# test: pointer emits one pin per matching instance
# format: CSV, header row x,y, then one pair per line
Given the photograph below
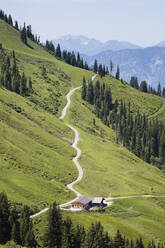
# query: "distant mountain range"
x,y
91,47
145,63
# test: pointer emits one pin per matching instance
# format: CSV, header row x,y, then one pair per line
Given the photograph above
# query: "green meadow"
x,y
36,153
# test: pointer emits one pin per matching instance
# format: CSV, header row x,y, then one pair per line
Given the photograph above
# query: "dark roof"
x,y
84,199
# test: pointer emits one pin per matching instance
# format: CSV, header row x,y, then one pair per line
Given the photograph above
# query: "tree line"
x,y
15,225
143,137
103,70
10,77
63,233
144,87
69,57
25,31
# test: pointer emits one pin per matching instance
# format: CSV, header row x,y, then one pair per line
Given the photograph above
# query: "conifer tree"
x,y
53,234
159,90
118,72
24,34
16,25
134,83
4,219
84,89
163,92
143,87
68,240
95,67
58,51
111,66
30,85
23,85
90,93
24,223
15,227
100,70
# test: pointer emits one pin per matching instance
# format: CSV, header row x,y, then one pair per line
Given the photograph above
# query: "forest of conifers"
x,y
144,138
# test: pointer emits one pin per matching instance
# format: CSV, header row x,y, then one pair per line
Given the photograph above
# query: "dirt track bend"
x,y
108,201
74,145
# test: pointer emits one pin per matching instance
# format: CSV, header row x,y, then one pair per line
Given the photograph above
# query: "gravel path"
x,y
74,145
109,200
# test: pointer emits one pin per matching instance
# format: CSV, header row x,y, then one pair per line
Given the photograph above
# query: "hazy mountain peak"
x,y
161,44
91,46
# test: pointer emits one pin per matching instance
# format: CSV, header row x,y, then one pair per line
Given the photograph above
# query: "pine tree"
x,y
53,234
95,67
24,223
30,240
24,35
143,87
111,66
68,240
84,89
163,92
78,60
159,90
90,93
79,237
15,227
100,70
58,51
86,66
134,83
16,25
118,73
30,85
23,85
4,219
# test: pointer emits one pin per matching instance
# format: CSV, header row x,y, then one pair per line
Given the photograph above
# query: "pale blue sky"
x,y
138,21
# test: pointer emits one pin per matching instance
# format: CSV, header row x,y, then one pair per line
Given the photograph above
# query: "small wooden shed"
x,y
83,202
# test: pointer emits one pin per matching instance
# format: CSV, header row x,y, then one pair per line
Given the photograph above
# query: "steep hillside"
x,y
152,106
35,146
110,168
35,151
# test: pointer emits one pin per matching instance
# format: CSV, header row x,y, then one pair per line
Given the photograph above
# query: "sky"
x,y
137,21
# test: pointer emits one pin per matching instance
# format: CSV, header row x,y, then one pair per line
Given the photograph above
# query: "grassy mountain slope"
x,y
137,217
110,168
35,151
151,105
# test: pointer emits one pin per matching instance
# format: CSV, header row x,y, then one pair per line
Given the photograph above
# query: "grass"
x,y
149,104
36,153
35,147
135,218
109,169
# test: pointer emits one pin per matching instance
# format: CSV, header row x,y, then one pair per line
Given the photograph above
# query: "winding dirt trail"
x,y
109,200
74,145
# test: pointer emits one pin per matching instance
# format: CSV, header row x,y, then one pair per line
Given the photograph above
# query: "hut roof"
x,y
84,199
97,200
